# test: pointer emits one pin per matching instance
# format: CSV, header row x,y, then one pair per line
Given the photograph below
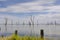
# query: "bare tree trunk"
x,y
5,24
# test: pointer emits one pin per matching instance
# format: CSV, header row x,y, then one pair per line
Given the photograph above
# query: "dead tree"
x,y
5,24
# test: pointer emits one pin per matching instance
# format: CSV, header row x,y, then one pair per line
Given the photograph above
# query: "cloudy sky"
x,y
42,10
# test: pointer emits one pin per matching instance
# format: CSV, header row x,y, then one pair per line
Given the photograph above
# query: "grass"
x,y
23,38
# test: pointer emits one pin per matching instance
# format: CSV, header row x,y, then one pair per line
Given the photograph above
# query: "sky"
x,y
42,10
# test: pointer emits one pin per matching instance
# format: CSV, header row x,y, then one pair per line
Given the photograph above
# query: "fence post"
x,y
42,34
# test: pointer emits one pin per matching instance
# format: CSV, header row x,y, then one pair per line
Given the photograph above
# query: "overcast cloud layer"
x,y
18,8
46,9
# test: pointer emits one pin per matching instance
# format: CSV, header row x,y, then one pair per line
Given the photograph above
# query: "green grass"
x,y
23,38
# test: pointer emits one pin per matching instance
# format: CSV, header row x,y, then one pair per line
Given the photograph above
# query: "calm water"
x,y
32,29
51,31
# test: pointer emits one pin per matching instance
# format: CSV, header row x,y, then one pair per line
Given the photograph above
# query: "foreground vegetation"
x,y
14,37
